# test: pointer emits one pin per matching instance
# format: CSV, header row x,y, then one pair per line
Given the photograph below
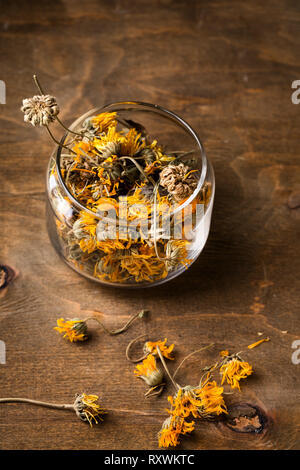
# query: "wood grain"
x,y
227,68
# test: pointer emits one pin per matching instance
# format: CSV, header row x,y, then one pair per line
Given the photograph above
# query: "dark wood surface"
x,y
227,68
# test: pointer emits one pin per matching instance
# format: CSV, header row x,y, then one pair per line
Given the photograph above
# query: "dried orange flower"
x,y
85,406
211,397
74,330
201,402
103,121
149,372
87,409
133,143
171,429
234,370
151,347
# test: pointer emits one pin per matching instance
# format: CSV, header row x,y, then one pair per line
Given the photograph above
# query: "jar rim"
x,y
153,107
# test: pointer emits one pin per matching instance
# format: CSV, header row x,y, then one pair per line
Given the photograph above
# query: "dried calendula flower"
x,y
151,347
85,406
201,402
74,330
149,372
40,110
179,180
204,401
171,429
233,369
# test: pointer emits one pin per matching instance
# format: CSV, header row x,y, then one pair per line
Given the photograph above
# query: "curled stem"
x,y
123,328
176,386
128,348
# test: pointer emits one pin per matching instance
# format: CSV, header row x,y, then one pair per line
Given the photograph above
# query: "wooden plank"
x,y
227,68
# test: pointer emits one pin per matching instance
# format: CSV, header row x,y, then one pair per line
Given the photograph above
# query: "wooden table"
x,y
227,68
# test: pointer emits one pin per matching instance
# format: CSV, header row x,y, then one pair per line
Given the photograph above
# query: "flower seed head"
x,y
40,110
179,180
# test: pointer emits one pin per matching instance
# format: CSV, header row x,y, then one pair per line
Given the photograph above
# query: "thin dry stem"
x,y
123,328
36,81
166,368
129,346
37,402
189,355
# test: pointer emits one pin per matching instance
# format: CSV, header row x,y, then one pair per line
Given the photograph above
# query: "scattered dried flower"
x,y
85,406
74,330
149,372
87,409
233,370
201,402
171,429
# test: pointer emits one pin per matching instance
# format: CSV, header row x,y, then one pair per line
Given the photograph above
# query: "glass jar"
x,y
150,235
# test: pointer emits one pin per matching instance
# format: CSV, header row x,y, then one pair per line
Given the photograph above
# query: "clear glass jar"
x,y
129,241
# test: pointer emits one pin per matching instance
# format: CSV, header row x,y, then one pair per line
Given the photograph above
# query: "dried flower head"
x,y
171,429
233,370
149,372
103,121
201,402
179,180
151,347
87,409
74,330
40,110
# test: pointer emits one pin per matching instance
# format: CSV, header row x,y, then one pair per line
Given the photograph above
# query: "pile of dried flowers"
x,y
106,162
204,401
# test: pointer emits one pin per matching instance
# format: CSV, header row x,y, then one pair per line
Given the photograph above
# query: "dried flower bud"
x,y
87,409
179,180
74,330
149,372
40,110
